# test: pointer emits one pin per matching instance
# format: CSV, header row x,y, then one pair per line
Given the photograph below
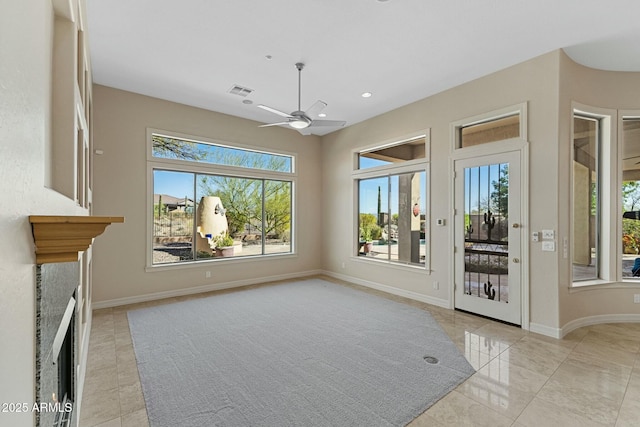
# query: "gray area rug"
x,y
307,353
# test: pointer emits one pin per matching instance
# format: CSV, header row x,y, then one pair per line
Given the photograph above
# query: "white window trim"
x,y
610,198
418,165
155,163
503,145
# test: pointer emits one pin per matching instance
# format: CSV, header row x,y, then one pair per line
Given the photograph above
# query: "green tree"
x,y
172,148
500,193
242,199
277,208
631,195
239,197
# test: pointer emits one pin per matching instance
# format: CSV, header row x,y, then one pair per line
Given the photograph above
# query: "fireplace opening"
x,y
64,346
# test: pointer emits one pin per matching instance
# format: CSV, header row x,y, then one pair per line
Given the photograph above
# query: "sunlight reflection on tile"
x,y
503,387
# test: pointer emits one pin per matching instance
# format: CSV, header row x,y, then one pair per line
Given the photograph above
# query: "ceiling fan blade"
x,y
316,123
315,108
273,124
305,131
274,111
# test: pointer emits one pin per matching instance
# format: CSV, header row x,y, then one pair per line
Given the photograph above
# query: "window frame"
x,y
188,166
387,171
609,200
623,115
518,109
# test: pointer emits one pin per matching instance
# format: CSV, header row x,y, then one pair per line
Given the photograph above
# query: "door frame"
x,y
520,146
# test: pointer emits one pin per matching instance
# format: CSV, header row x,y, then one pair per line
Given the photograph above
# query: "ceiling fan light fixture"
x,y
299,119
299,123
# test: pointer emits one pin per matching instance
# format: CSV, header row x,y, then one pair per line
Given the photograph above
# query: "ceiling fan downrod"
x,y
299,66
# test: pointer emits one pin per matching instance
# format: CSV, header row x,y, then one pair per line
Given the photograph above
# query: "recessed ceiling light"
x,y
367,95
322,115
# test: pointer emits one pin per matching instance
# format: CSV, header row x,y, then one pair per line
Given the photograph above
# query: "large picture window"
x,y
391,184
212,201
630,196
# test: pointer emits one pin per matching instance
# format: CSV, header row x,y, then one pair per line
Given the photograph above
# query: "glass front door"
x,y
488,264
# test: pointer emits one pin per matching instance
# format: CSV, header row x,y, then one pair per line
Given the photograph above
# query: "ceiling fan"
x,y
302,120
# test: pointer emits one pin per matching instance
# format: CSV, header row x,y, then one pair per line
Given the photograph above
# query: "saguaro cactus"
x,y
490,222
491,293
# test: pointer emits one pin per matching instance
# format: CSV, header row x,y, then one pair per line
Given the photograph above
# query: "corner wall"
x,y
604,89
120,188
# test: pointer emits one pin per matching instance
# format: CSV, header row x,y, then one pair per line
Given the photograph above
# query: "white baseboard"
x,y
597,320
545,330
200,289
390,289
582,322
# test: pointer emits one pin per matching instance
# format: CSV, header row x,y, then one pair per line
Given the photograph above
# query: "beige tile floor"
x,y
590,378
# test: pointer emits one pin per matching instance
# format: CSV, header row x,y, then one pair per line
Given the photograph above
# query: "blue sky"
x,y
369,194
176,184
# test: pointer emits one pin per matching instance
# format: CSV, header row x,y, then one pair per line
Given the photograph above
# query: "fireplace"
x,y
64,355
59,242
56,344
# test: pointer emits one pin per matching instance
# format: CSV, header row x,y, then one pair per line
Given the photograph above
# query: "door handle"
x,y
515,225
516,260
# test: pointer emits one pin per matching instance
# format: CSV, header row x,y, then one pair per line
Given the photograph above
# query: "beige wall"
x,y
25,127
120,174
535,82
611,90
547,83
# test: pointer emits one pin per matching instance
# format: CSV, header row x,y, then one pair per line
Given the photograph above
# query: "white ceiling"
x,y
194,51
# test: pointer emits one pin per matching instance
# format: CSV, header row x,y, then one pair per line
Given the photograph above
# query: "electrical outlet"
x,y
436,285
207,274
535,236
636,298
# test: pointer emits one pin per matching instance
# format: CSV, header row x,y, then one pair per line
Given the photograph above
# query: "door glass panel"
x,y
486,247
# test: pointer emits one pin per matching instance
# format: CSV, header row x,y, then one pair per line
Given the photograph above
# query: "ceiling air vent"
x,y
241,91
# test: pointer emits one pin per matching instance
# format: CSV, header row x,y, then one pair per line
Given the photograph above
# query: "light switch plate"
x,y
549,246
548,234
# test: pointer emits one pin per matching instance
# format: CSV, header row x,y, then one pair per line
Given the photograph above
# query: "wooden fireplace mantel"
x,y
60,238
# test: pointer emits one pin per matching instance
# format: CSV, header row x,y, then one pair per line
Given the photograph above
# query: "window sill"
x,y
393,265
207,263
591,285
